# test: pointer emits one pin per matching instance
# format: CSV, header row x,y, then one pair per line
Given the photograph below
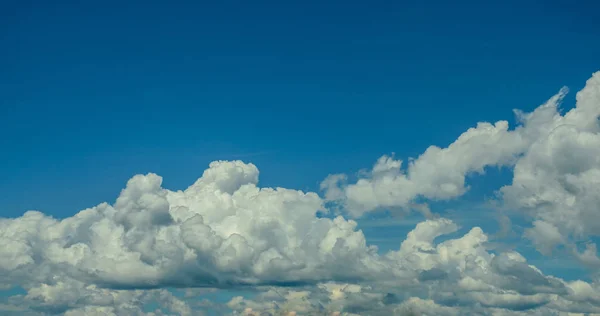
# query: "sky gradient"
x,y
333,99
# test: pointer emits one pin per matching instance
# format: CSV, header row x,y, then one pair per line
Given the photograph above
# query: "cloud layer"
x,y
224,232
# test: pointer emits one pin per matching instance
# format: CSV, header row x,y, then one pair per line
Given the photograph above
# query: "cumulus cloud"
x,y
73,298
221,231
557,181
556,160
225,231
93,263
463,278
439,173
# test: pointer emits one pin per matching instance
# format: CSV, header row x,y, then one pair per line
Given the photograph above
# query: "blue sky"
x,y
94,93
104,92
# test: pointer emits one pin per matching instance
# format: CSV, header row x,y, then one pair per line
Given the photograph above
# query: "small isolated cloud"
x,y
226,232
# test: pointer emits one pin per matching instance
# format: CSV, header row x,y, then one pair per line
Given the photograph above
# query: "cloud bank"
x,y
226,232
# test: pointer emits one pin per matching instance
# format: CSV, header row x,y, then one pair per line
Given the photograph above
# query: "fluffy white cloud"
x,y
222,230
439,173
73,298
225,231
421,277
556,161
557,181
455,277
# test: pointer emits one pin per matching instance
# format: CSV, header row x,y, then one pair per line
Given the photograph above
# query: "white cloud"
x,y
462,277
222,230
556,161
439,173
462,270
557,181
544,236
225,231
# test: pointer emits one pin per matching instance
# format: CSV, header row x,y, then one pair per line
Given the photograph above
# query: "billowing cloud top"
x,y
224,231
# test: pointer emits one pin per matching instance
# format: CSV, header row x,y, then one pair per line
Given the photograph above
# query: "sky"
x,y
314,157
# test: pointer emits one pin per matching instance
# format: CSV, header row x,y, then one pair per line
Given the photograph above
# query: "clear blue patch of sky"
x,y
17,290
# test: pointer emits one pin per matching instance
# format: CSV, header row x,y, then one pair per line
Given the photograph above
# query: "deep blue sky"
x,y
93,93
